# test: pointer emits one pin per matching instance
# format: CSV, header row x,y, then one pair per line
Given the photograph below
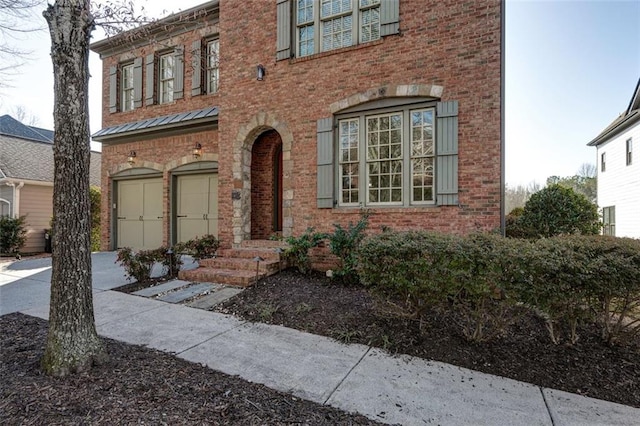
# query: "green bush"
x,y
13,234
204,247
557,210
94,196
344,243
138,265
298,251
514,227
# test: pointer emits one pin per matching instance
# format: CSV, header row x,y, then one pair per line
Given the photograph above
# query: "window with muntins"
x,y
629,151
609,220
126,84
213,66
394,154
166,78
323,25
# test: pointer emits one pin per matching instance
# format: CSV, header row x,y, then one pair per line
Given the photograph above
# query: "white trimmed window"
x,y
629,151
609,220
166,77
126,85
393,151
213,66
323,25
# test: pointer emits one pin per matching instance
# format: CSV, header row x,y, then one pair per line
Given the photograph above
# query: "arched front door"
x,y
266,186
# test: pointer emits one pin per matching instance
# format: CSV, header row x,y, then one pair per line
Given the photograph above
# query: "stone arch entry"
x,y
266,185
262,125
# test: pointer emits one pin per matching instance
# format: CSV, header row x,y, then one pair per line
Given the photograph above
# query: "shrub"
x,y
298,250
344,243
138,265
557,210
204,247
416,267
12,234
514,227
94,196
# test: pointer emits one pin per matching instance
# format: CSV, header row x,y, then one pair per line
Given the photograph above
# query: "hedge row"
x,y
567,280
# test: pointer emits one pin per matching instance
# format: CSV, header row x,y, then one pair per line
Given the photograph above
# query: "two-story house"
x,y
251,118
619,172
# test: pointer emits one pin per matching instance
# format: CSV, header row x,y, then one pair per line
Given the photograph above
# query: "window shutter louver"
x,y
389,17
196,65
178,78
447,153
113,89
284,30
325,163
150,78
137,83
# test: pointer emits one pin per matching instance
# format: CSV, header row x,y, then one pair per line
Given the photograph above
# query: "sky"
x,y
570,70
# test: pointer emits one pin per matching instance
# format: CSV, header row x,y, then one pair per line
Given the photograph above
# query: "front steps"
x,y
237,267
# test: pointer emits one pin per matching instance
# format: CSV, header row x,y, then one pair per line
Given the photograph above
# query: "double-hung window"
x,y
213,66
603,162
323,25
166,77
629,151
609,220
126,87
387,158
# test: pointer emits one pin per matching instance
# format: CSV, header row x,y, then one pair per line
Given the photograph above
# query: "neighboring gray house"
x,y
26,177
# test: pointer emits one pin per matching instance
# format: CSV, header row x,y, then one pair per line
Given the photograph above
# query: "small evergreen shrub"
x,y
298,251
344,243
138,265
204,247
13,234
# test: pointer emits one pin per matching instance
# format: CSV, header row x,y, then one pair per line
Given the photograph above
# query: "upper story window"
x,y
629,151
213,66
324,25
126,83
603,162
165,78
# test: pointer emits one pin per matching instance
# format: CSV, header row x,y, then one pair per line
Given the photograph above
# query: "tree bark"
x,y
73,344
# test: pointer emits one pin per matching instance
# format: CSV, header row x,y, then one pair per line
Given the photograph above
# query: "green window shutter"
x,y
389,17
178,80
150,78
196,65
113,89
447,153
325,163
137,83
284,30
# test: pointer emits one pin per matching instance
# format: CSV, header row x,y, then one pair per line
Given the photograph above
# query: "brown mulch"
x,y
525,352
137,386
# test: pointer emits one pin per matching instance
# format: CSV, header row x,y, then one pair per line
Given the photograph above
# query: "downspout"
x,y
502,111
16,198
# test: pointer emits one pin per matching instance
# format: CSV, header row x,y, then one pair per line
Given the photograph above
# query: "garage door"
x,y
197,206
139,214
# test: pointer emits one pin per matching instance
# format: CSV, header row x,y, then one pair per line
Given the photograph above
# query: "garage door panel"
x,y
197,206
129,233
152,196
129,200
139,213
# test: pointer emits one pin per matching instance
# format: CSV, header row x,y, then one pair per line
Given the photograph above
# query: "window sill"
x,y
386,210
336,51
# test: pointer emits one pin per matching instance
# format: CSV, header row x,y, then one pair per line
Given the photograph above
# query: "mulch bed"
x,y
137,386
350,314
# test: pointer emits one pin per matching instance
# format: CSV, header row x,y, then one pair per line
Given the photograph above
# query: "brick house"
x,y
249,118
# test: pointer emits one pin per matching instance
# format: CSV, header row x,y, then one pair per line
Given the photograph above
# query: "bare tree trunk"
x,y
72,344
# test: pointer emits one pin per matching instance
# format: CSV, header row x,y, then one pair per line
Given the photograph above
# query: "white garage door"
x,y
139,214
197,206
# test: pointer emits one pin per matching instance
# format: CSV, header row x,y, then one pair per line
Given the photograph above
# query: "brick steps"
x,y
236,266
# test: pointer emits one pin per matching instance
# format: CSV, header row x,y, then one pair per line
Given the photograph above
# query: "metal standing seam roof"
x,y
156,123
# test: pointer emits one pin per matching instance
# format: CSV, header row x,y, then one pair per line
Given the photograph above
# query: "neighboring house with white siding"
x,y
26,177
619,172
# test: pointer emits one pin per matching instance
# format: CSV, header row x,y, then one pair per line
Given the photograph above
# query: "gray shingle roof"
x,y
623,121
27,154
157,123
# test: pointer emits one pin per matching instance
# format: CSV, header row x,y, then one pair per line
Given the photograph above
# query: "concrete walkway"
x,y
356,378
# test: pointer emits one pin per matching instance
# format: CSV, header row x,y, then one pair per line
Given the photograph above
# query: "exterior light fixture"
x,y
197,150
131,159
260,72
